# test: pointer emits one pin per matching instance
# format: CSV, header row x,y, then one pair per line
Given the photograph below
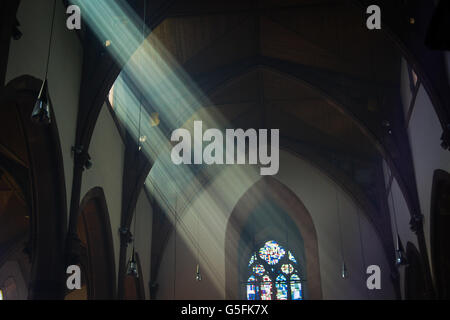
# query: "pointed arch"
x,y
43,180
440,237
270,188
97,251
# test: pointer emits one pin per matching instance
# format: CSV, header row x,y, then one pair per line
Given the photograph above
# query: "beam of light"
x,y
152,76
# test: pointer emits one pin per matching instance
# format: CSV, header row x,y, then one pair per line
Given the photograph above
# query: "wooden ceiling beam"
x,y
206,7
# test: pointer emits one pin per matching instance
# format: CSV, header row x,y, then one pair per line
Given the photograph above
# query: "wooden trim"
x,y
100,246
439,177
47,189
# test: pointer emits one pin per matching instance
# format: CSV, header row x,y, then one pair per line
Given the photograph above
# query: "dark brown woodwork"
x,y
95,228
47,190
439,231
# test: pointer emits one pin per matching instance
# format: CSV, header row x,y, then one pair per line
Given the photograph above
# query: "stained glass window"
x,y
274,273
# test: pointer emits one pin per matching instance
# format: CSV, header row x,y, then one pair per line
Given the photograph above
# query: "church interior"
x,y
93,207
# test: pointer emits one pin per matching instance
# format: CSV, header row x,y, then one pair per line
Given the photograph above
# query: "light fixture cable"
x,y
400,258
198,275
361,245
344,267
50,40
144,21
393,209
41,111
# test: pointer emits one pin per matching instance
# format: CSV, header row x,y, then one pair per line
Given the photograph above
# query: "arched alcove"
x,y
97,252
269,189
36,160
439,231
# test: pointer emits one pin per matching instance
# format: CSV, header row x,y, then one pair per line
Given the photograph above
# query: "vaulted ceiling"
x,y
310,68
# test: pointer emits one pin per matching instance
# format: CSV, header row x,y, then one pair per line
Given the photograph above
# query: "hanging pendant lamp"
x,y
198,275
41,110
344,273
132,267
400,256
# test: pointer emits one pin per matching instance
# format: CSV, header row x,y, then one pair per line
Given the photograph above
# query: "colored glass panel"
x,y
252,259
296,288
252,289
291,257
282,288
272,252
287,268
259,270
266,288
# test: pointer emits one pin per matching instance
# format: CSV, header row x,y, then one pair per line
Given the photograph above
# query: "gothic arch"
x,y
440,239
97,251
44,177
270,188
